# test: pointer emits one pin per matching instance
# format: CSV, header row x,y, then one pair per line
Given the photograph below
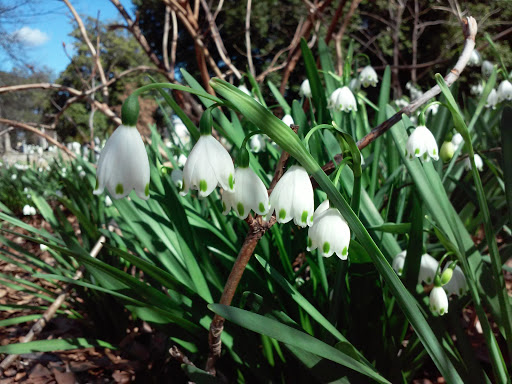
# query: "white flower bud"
x,y
487,68
475,59
288,120
305,89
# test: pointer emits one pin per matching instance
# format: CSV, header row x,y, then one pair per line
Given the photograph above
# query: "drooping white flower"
x,y
487,68
182,160
438,301
288,120
43,247
329,233
292,197
14,176
244,89
492,99
368,77
177,178
398,262
29,210
477,90
478,162
434,108
457,284
457,140
108,201
123,165
413,91
428,269
59,193
342,99
505,91
180,130
208,165
475,59
422,143
250,193
82,174
257,143
305,89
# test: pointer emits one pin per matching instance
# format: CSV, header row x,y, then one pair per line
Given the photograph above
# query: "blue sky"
x,y
44,35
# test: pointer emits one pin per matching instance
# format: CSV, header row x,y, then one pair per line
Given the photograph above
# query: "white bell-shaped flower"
x,y
428,269
475,59
438,301
207,166
288,120
422,143
257,143
123,165
342,99
478,162
492,99
505,91
487,68
292,198
329,233
250,193
244,89
368,77
305,89
476,90
29,210
398,262
457,140
457,284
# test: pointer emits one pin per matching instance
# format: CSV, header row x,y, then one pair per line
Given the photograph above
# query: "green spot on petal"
x,y
460,291
400,270
304,217
97,184
146,190
425,156
326,247
119,189
434,152
203,185
240,209
261,207
224,206
345,251
441,311
310,243
429,280
231,181
282,214
417,151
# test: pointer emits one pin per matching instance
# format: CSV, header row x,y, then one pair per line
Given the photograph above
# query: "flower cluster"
x,y
451,282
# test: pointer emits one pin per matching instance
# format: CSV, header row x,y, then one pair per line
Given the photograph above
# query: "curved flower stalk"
x,y
123,165
250,193
292,198
305,89
342,99
368,77
207,166
438,301
505,91
329,233
422,143
478,162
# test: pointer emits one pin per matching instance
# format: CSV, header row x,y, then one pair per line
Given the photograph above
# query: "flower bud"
x,y
447,151
446,276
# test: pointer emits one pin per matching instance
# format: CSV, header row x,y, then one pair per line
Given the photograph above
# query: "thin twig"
x,y
165,37
39,325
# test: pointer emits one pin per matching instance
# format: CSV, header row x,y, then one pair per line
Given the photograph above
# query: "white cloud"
x,y
30,37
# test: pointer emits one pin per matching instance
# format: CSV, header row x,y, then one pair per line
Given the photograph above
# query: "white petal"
x,y
428,268
124,165
399,262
